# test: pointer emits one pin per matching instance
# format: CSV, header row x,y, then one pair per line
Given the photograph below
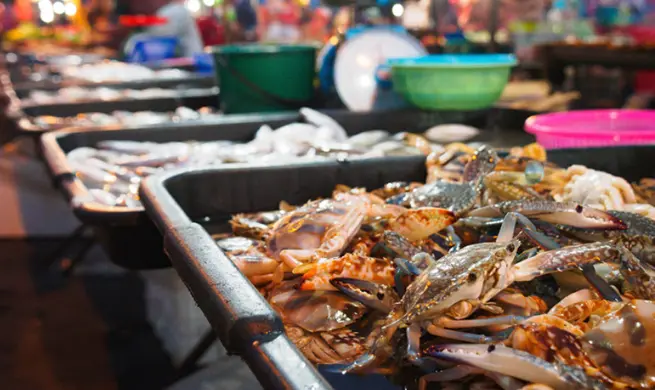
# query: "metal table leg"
x,y
190,363
78,237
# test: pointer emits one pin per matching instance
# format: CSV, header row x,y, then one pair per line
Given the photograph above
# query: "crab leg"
x,y
507,226
570,214
482,163
459,336
477,323
395,242
507,231
414,349
527,254
640,275
506,234
454,238
515,363
462,371
450,374
403,268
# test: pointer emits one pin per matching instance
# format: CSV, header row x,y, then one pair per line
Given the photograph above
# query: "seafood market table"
x,y
557,56
250,244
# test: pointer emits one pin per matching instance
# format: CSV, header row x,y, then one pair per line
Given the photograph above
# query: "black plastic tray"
x,y
22,89
128,236
23,125
187,206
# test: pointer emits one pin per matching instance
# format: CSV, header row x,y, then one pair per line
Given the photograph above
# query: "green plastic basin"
x,y
452,82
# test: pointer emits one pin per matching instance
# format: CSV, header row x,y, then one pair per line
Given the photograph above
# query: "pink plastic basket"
x,y
579,129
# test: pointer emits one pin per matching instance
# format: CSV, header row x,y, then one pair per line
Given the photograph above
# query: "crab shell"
x,y
623,344
320,274
477,271
335,347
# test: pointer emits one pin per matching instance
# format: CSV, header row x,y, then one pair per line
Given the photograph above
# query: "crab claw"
x,y
578,257
379,297
482,163
558,213
418,224
569,258
514,363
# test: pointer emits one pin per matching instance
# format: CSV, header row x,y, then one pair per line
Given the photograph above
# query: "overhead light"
x,y
47,16
397,10
45,5
71,9
208,3
193,5
58,7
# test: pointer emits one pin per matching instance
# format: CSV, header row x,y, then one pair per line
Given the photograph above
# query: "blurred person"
x,y
9,20
282,19
100,14
180,24
22,10
211,30
416,15
100,19
317,28
247,19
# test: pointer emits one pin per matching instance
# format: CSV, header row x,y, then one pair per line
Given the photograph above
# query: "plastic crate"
x,y
148,49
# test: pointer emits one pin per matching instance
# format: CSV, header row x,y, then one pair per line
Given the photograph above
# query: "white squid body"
x,y
602,191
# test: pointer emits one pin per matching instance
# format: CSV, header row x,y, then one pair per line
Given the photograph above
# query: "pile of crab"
x,y
501,271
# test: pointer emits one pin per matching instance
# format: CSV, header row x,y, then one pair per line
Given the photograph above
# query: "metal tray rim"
x,y
174,225
77,193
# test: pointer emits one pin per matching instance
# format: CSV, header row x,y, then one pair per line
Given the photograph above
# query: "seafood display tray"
x,y
24,126
23,89
188,206
129,237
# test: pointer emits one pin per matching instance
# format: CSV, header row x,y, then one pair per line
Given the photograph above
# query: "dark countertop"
x,y
504,138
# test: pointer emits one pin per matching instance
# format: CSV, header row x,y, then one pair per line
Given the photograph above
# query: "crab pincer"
x,y
517,364
558,213
639,275
377,296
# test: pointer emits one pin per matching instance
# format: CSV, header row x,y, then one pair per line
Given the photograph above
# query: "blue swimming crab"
x,y
446,292
613,350
324,325
456,197
449,290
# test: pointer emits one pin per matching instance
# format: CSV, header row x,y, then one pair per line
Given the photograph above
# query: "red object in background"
x,y
141,20
211,32
645,79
